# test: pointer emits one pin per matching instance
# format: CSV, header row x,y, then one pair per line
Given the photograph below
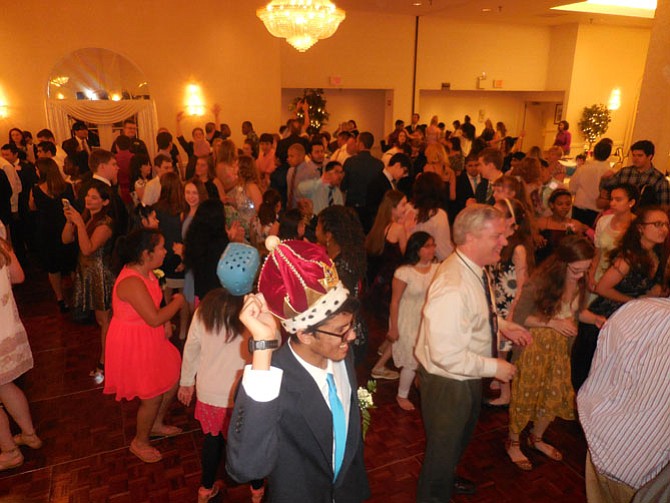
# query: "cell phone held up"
x,y
66,204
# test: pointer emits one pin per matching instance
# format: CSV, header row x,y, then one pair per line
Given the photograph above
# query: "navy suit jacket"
x,y
289,440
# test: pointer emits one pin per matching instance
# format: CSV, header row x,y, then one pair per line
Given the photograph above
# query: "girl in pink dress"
x,y
141,362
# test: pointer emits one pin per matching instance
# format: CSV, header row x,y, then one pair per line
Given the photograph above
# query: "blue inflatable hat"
x,y
237,268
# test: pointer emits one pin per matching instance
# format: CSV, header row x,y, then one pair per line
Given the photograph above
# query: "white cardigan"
x,y
217,364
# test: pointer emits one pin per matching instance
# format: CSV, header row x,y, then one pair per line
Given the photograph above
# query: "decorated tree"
x,y
316,103
594,122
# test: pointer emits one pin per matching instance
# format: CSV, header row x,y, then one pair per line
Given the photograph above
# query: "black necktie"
x,y
331,198
493,316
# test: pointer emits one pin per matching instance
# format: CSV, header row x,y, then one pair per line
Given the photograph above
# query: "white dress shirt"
x,y
455,335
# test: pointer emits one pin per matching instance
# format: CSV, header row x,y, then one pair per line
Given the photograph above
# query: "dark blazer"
x,y
480,194
289,440
376,190
359,171
463,192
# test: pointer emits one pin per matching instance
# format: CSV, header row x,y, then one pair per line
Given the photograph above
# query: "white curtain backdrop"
x,y
103,112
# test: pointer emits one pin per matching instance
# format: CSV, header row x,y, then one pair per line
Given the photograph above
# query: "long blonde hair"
x,y
374,242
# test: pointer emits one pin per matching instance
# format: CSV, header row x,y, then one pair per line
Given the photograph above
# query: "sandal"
x,y
385,373
98,374
147,454
548,450
204,495
14,461
165,431
404,403
523,464
29,439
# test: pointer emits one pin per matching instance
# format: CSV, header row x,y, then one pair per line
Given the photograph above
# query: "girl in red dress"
x,y
141,362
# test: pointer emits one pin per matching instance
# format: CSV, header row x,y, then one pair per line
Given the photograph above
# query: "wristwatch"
x,y
262,345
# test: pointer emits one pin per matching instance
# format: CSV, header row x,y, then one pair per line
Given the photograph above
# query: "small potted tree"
x,y
594,123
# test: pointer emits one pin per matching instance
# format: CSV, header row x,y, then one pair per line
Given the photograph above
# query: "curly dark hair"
x,y
549,278
630,247
347,231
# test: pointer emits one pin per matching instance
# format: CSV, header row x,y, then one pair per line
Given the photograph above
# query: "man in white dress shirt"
x,y
455,349
152,190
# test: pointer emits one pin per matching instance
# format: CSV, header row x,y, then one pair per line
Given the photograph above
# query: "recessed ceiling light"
x,y
417,4
486,10
632,8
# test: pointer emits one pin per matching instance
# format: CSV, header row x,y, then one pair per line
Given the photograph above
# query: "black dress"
x,y
378,296
54,255
635,284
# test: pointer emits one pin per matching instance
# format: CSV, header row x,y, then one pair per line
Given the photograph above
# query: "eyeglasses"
x,y
341,336
657,224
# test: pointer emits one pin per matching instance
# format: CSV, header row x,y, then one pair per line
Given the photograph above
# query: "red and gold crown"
x,y
300,284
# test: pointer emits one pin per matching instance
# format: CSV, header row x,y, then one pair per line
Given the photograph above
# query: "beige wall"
x,y
653,113
605,58
458,52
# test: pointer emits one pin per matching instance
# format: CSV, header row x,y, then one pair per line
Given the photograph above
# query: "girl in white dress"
x,y
410,284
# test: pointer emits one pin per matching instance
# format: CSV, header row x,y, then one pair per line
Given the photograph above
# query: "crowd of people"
x,y
478,259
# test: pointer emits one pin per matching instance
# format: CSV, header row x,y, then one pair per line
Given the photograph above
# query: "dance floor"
x,y
86,434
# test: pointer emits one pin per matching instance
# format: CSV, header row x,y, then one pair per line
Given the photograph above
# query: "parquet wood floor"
x,y
85,457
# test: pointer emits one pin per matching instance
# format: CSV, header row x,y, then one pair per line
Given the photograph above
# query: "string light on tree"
x,y
594,122
316,103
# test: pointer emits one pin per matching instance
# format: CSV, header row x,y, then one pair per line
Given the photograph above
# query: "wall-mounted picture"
x,y
558,113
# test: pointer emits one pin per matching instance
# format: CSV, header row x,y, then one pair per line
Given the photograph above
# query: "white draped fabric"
x,y
103,112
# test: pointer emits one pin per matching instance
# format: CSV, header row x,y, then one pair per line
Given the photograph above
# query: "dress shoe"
x,y
464,486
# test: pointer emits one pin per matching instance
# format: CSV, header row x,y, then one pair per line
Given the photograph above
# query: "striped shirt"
x,y
624,406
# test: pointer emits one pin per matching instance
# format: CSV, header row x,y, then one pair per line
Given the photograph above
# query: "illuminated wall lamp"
x,y
615,99
4,107
193,99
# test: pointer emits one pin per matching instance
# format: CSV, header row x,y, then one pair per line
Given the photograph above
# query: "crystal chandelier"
x,y
301,22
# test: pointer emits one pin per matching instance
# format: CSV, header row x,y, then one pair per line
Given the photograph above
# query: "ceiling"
x,y
507,11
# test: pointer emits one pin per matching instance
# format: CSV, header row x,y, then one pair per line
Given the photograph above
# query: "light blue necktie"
x,y
339,424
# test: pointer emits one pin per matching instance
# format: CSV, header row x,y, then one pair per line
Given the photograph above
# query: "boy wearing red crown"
x,y
296,419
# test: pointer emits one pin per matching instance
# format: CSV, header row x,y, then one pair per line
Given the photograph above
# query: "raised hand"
x,y
258,319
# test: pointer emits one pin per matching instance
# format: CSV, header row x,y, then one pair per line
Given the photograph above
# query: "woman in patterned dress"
x,y
550,304
94,279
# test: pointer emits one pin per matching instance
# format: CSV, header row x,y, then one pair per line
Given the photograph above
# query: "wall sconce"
x,y
115,97
193,99
480,80
4,108
615,99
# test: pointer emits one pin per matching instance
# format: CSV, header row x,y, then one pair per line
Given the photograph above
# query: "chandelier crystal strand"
x,y
301,22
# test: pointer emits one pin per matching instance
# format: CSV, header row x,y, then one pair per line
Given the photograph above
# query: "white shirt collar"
x,y
102,179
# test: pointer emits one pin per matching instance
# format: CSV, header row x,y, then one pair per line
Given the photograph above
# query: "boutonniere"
x,y
160,276
365,403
